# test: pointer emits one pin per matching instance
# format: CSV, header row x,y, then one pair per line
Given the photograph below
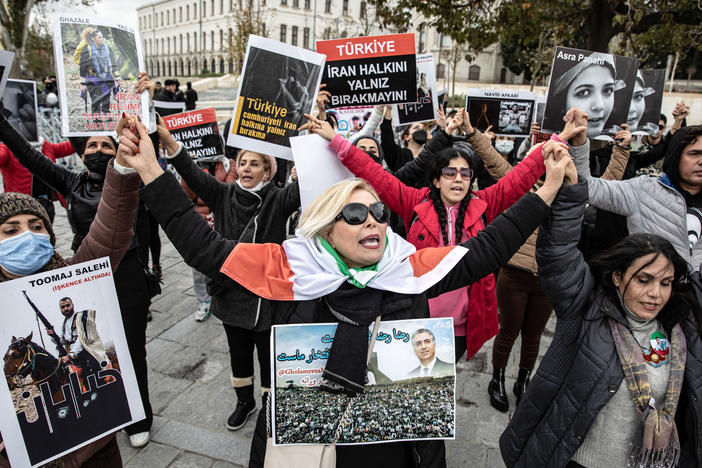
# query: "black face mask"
x,y
374,157
97,162
420,136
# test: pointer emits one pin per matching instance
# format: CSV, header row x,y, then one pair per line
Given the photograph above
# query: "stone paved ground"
x,y
192,397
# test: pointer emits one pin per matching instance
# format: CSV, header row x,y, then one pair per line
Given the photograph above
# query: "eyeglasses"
x,y
357,213
661,127
450,172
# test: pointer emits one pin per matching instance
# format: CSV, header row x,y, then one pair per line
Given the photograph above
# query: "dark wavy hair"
x,y
623,254
437,164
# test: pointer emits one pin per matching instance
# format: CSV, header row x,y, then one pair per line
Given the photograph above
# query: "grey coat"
x,y
650,205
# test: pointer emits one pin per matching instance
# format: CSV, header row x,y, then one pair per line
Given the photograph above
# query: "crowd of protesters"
x,y
605,237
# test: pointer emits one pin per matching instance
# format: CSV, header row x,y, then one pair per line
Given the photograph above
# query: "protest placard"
x,y
540,107
424,108
165,108
81,383
198,131
508,111
6,59
600,84
370,70
278,86
19,106
350,120
406,398
97,63
317,166
645,107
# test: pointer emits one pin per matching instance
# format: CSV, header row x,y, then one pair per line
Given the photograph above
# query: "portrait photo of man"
x,y
424,345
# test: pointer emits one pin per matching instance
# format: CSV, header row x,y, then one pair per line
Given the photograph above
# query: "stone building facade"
x,y
186,37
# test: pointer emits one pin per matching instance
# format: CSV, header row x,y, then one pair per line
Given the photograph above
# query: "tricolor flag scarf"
x,y
303,269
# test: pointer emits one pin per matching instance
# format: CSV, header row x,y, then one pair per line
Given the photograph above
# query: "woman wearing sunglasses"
x,y
345,263
444,213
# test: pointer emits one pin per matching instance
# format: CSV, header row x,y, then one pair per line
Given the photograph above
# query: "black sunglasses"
x,y
450,172
357,213
661,127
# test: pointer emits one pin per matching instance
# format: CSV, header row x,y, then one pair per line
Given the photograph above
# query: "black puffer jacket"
x,y
581,369
262,214
204,249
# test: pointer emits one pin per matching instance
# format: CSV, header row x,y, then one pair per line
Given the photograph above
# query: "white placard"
x,y
36,429
19,105
424,108
509,112
318,167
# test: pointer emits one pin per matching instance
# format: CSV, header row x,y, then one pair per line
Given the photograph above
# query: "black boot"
x,y
497,392
521,384
245,407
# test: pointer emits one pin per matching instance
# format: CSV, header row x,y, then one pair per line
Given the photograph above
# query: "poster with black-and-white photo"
x,y
441,97
645,107
424,108
540,107
410,393
97,63
69,378
19,106
6,59
598,83
277,87
509,112
165,108
199,132
363,71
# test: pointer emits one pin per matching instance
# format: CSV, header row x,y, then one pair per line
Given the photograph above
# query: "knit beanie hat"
x,y
12,204
271,161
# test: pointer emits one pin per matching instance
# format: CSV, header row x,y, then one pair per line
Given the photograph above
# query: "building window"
x,y
306,38
187,13
344,34
181,44
327,6
307,4
203,10
474,73
284,2
221,39
203,42
296,4
195,42
212,10
195,12
345,7
174,22
422,38
212,40
293,36
187,41
263,30
362,14
180,14
161,18
326,35
441,70
168,17
283,33
221,6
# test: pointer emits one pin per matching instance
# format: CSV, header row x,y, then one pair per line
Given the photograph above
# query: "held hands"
x,y
136,149
575,130
623,137
680,111
320,127
559,166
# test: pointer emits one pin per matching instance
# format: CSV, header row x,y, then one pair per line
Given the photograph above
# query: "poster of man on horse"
x,y
68,373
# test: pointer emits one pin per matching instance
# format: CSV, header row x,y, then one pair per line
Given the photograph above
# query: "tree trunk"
x,y
672,73
598,26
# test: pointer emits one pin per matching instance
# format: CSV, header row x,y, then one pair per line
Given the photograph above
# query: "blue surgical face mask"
x,y
26,253
504,146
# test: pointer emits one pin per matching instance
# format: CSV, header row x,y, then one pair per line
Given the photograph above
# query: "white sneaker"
x,y
203,312
139,439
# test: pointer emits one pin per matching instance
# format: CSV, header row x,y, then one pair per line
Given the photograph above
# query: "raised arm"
x,y
414,172
54,175
371,125
620,156
112,228
563,273
392,152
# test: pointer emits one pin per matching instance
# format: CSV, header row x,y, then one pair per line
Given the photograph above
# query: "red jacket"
x,y
425,231
16,177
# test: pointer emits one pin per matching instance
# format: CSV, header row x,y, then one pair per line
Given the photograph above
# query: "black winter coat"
x,y
581,369
242,216
204,249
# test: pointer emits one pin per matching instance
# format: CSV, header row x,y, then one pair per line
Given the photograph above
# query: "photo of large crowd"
x,y
398,411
